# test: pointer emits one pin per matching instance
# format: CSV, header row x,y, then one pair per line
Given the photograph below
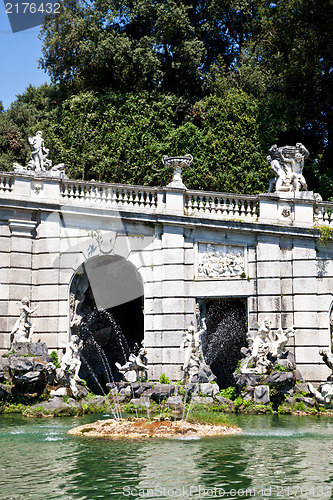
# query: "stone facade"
x,y
266,254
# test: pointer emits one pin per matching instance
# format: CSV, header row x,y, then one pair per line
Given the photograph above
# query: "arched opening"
x,y
106,312
226,322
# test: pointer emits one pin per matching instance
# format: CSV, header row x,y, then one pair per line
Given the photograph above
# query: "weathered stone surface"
x,y
4,364
126,391
140,387
203,400
209,389
29,377
246,379
286,364
225,401
55,406
287,359
5,390
247,394
191,388
204,375
31,349
290,401
82,391
21,364
175,401
305,400
143,401
280,379
160,391
261,394
39,365
298,375
301,387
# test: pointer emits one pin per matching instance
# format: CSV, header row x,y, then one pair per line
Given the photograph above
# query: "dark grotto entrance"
x,y
106,301
226,322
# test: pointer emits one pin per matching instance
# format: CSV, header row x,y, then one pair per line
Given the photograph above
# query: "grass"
x,y
208,417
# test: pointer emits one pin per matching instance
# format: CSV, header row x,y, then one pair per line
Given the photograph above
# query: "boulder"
x,y
126,391
298,375
280,380
143,401
29,377
5,390
175,402
286,364
225,401
301,387
192,388
4,364
204,375
306,401
31,349
261,394
209,389
82,391
203,400
54,406
246,379
140,387
287,359
247,394
160,391
20,364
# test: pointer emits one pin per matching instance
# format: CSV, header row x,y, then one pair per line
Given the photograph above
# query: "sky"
x,y
18,60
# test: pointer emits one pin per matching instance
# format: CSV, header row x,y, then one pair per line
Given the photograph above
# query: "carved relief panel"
x,y
220,261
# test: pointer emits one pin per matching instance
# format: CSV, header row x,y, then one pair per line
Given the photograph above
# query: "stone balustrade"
x,y
323,213
168,200
222,205
6,182
112,195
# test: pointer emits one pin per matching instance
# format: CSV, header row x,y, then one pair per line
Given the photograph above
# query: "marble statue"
x,y
39,160
324,395
23,328
214,264
136,365
70,365
191,346
267,345
36,158
287,163
194,367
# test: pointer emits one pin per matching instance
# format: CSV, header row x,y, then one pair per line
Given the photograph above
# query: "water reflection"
x,y
39,461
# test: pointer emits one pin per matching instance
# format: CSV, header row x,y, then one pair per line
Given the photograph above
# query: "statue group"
x,y
39,160
266,346
287,163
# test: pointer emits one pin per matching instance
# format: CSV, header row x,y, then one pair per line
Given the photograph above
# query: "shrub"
x,y
164,379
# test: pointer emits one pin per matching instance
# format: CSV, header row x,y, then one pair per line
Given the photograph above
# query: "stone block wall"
x,y
287,275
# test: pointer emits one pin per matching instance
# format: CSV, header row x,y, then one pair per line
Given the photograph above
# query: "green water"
x,y
280,458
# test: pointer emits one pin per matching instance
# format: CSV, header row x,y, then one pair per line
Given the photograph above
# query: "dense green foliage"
x,y
222,80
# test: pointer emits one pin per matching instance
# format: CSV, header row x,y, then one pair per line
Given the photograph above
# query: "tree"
x,y
140,44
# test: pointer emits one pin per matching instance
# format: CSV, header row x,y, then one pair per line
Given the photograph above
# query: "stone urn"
x,y
177,163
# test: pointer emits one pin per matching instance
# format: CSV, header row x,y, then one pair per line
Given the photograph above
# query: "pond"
x,y
274,457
